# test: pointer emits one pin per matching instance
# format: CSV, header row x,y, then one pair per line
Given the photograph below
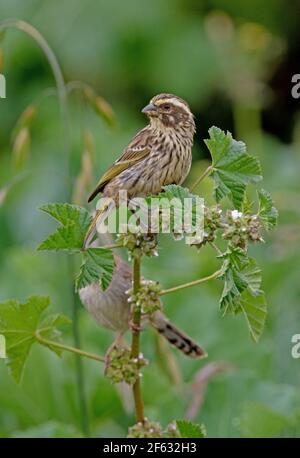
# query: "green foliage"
x,y
50,429
241,275
242,290
173,199
259,420
97,263
197,36
97,266
255,311
232,168
74,222
21,323
190,430
268,214
173,190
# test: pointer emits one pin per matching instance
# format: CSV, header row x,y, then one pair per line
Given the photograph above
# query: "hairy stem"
x,y
135,343
191,283
112,246
62,97
204,175
61,346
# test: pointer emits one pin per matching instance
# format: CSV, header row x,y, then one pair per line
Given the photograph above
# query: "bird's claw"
x,y
134,327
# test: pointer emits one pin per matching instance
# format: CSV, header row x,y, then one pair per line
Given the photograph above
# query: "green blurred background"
x,y
233,62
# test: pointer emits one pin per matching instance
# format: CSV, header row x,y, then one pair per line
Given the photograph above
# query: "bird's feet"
x,y
134,327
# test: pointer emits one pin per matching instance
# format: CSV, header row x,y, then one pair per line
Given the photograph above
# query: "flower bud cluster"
x,y
139,244
212,222
146,429
241,229
147,298
123,368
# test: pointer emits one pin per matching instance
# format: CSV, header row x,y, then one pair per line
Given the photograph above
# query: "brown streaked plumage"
x,y
110,309
159,154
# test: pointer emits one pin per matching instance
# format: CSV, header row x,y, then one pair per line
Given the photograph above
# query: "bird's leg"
x,y
112,346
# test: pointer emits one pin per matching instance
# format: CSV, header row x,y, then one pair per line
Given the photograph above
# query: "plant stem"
x,y
111,247
64,347
191,283
62,97
216,248
204,174
135,343
40,40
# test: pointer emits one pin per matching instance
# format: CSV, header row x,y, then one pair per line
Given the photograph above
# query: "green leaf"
x,y
190,429
20,323
268,214
252,275
174,197
97,262
98,266
255,311
48,329
242,290
240,273
173,190
232,168
74,221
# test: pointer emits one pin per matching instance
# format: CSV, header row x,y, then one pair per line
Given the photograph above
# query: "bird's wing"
x,y
136,151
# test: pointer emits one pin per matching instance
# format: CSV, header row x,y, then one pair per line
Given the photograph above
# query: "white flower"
x,y
235,214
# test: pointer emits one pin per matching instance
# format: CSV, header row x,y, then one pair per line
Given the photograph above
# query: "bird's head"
x,y
169,111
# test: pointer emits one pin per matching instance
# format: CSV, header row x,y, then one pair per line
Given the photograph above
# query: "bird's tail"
x,y
98,217
177,337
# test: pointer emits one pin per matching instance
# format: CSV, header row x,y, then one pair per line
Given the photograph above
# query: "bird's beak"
x,y
150,110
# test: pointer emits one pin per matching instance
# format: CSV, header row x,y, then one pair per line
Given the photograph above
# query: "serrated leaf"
x,y
268,214
65,213
234,285
174,197
188,429
255,311
98,266
173,190
232,167
20,323
252,275
75,222
242,290
48,329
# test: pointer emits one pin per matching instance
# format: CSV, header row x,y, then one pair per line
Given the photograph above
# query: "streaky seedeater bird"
x,y
159,154
111,309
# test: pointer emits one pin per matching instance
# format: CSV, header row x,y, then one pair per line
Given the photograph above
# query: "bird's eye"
x,y
167,107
